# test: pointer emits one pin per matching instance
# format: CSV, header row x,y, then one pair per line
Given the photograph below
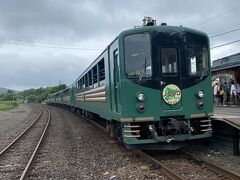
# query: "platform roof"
x,y
226,62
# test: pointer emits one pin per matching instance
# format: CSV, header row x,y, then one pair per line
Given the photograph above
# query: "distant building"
x,y
226,69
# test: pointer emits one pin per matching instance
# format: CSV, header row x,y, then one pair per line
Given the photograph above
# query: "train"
x,y
151,86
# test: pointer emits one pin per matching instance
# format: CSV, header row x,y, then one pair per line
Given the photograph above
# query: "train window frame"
x,y
90,79
102,72
95,76
141,75
79,84
86,80
83,82
171,73
202,68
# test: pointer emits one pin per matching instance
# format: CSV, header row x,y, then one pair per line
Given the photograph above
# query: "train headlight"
x,y
200,94
140,97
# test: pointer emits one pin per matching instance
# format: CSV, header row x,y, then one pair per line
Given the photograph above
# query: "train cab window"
x,y
197,61
138,56
101,72
169,61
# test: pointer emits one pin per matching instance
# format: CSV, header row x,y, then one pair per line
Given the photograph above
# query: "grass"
x,y
6,105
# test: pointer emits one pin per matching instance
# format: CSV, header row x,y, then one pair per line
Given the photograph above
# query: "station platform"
x,y
226,122
229,113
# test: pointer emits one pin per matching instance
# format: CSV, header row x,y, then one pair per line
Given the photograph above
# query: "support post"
x,y
235,142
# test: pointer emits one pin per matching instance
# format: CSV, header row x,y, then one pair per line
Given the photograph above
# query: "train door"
x,y
170,78
116,78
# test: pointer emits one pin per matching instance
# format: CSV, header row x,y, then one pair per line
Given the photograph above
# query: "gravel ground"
x,y
15,159
217,155
185,167
76,149
13,122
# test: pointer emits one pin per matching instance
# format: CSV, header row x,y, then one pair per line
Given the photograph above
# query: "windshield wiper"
x,y
144,70
203,73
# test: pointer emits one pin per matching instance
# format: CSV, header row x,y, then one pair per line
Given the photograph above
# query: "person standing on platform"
x,y
221,93
238,91
215,93
224,95
233,92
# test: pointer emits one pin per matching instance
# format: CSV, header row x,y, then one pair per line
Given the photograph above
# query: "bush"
x,y
6,105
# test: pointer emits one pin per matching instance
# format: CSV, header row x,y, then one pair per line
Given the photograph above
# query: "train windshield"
x,y
197,59
138,56
197,62
169,61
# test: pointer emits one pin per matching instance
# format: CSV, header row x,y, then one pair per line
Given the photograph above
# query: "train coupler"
x,y
168,138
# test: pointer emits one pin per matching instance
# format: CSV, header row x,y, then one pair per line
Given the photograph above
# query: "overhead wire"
x,y
227,32
225,44
217,16
19,43
50,46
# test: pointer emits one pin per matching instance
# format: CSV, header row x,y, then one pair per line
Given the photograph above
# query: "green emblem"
x,y
171,94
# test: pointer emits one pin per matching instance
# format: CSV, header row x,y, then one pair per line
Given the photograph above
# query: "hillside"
x,y
3,90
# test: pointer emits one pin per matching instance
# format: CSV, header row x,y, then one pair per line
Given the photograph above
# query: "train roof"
x,y
162,28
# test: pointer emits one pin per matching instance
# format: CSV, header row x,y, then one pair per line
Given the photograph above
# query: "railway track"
x,y
16,158
183,165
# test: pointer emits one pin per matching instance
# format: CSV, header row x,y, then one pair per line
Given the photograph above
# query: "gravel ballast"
x,y
73,148
13,122
76,149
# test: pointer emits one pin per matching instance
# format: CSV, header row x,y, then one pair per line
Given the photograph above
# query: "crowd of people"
x,y
226,94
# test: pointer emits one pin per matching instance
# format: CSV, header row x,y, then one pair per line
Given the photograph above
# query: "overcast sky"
x,y
89,26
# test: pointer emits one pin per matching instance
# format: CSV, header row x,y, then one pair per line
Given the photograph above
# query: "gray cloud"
x,y
94,24
30,70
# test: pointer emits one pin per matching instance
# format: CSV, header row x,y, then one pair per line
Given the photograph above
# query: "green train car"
x,y
151,85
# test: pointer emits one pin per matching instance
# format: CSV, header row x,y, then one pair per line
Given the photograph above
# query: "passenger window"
x,y
101,72
90,78
83,82
169,60
79,84
86,80
95,76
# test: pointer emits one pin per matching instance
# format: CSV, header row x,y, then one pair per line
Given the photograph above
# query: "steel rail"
x,y
167,171
28,166
21,135
215,168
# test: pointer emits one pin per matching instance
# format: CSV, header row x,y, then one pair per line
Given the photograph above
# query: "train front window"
x,y
169,61
138,56
197,60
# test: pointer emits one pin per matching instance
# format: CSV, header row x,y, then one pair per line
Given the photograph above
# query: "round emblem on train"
x,y
171,94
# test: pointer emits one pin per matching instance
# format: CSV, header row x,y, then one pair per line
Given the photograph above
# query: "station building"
x,y
225,70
